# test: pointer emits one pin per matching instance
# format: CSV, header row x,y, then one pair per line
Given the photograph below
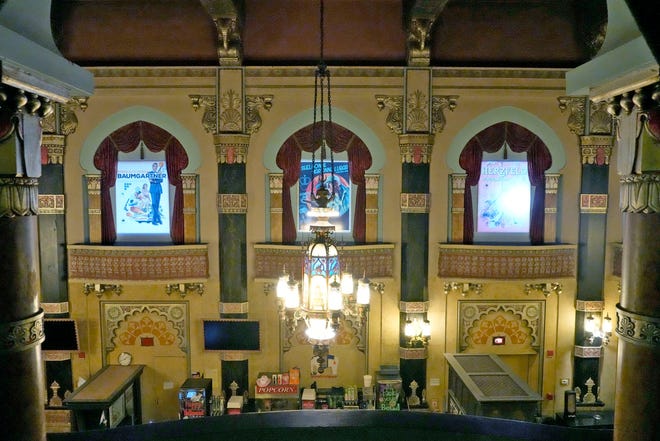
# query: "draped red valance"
x,y
126,139
519,139
359,160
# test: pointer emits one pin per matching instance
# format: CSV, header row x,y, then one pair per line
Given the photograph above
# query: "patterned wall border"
x,y
507,262
413,353
114,313
376,260
531,313
588,351
233,356
232,203
593,203
589,305
415,202
414,307
636,328
23,334
51,204
55,308
116,264
234,308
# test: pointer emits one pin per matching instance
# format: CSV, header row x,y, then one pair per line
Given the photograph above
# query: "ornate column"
x,y
21,318
593,126
190,219
637,403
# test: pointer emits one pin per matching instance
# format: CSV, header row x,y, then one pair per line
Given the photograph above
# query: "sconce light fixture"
x,y
545,288
184,288
100,288
418,332
596,334
463,287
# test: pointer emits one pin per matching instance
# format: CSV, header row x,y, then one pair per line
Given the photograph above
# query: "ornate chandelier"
x,y
327,293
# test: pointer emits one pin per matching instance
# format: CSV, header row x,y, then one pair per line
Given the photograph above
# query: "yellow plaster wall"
x,y
120,89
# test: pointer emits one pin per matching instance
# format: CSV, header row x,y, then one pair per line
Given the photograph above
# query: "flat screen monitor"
x,y
61,335
232,335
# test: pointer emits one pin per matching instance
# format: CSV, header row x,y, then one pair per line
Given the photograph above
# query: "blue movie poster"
x,y
342,190
142,198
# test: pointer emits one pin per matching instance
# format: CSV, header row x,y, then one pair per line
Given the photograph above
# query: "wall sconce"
x,y
464,288
184,288
545,288
100,288
596,334
418,332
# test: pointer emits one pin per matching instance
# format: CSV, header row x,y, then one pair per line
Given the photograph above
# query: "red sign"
x,y
287,389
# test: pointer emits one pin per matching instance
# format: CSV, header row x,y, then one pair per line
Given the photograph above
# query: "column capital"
x,y
416,148
23,334
596,149
19,196
231,148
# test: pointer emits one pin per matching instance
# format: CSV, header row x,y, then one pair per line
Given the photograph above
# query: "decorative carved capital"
x,y
19,197
600,121
209,119
93,184
189,182
413,353
636,328
372,183
232,203
23,334
414,307
54,146
458,183
231,148
640,193
276,182
415,202
596,149
416,148
577,115
252,106
64,120
438,104
394,105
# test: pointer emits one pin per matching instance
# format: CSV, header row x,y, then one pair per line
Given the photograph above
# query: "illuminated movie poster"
x,y
142,198
504,197
341,202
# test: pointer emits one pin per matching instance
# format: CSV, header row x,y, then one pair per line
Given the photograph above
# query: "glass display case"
x,y
195,398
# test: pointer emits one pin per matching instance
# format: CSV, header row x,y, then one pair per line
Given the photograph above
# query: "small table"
x,y
109,399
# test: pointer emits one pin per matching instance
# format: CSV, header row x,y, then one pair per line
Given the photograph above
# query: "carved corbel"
x,y
226,17
394,105
252,106
577,116
419,36
209,120
438,104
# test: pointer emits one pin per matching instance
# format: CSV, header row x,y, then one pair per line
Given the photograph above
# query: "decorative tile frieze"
x,y
118,264
231,148
232,203
596,149
413,353
415,202
55,308
94,211
233,356
552,183
234,308
507,262
19,197
54,148
589,305
55,355
414,307
93,184
593,203
637,329
374,260
51,204
640,193
416,148
588,351
22,335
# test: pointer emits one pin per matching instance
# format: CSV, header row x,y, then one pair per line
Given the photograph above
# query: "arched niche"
x,y
507,113
139,113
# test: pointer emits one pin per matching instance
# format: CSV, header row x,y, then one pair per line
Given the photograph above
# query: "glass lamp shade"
x,y
426,328
607,324
347,283
590,324
292,296
409,329
363,296
335,298
282,286
321,268
319,329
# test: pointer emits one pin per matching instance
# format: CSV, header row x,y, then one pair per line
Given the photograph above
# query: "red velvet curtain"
x,y
519,139
359,160
126,139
